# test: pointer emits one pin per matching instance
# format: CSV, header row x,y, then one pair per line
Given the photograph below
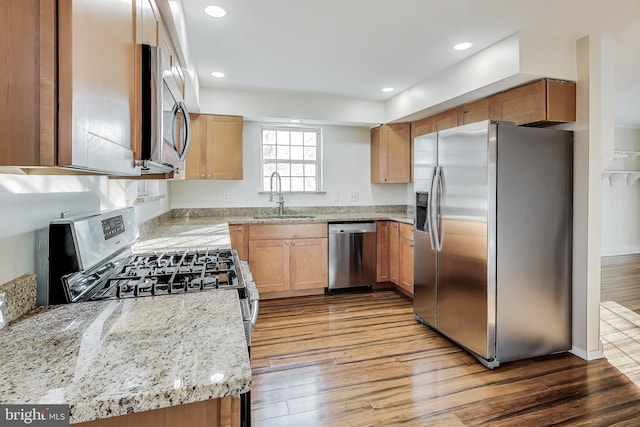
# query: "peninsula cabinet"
x,y
288,257
395,254
67,90
239,235
216,147
221,412
391,153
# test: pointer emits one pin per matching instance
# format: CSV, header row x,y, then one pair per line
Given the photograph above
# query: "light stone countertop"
x,y
198,232
115,357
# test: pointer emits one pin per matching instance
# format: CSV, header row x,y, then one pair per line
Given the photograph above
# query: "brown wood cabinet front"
x,y
543,101
216,147
405,258
289,257
222,412
394,254
382,262
391,153
239,234
62,60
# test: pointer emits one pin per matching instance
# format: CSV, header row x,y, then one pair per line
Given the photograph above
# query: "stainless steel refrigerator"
x,y
493,238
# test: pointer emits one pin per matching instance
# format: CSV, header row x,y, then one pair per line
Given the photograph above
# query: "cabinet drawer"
x,y
287,231
406,231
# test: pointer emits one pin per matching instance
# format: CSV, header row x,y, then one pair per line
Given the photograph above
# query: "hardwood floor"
x,y
362,360
621,280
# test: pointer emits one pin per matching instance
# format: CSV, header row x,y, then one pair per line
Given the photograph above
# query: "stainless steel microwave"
x,y
165,125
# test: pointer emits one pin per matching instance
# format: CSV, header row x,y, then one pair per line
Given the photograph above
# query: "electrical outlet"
x,y
226,197
353,196
336,196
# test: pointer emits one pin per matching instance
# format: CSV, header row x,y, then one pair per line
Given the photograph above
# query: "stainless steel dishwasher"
x,y
352,254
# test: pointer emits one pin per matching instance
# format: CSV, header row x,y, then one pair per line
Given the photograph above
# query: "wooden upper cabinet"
x,y
423,127
216,147
540,102
476,111
446,119
68,93
391,153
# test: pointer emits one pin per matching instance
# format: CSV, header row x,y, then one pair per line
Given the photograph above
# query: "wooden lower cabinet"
x,y
405,267
290,257
382,261
394,254
239,234
222,412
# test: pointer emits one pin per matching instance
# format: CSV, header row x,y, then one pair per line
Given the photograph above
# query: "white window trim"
x,y
319,156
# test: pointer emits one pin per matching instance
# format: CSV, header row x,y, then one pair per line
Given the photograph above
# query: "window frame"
x,y
318,162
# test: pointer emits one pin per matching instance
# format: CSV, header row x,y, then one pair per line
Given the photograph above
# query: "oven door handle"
x,y
255,307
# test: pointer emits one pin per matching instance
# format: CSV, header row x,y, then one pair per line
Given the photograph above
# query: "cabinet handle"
x,y
202,176
239,228
286,242
410,245
293,243
209,176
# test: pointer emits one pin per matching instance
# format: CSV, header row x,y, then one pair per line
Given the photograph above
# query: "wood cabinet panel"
x,y
382,261
561,101
288,231
423,127
210,413
476,111
239,234
269,264
394,255
391,153
406,231
405,267
308,263
446,119
216,147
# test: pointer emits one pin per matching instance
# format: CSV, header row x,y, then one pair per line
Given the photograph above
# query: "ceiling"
x,y
354,48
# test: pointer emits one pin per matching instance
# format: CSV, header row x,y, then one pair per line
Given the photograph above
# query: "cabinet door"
x,y
378,166
446,120
224,147
398,153
394,236
476,111
269,264
524,104
308,263
405,273
382,264
239,234
196,161
96,85
423,127
27,83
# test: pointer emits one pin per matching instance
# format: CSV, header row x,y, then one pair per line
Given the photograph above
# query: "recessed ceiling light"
x,y
294,121
217,74
462,46
215,11
388,89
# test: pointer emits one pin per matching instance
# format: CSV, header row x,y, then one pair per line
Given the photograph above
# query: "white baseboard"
x,y
620,250
588,355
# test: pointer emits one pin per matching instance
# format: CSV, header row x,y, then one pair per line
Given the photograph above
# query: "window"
x,y
295,154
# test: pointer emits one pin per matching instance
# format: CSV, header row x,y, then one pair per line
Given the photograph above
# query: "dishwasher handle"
x,y
352,227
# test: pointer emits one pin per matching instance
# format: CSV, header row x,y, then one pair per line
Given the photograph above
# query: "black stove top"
x,y
159,274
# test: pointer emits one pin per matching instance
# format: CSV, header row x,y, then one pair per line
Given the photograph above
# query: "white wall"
x,y
346,168
621,201
28,203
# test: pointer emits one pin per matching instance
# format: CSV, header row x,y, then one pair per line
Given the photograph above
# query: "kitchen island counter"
x,y
117,357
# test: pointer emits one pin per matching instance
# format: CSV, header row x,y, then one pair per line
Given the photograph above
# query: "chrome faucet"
x,y
280,201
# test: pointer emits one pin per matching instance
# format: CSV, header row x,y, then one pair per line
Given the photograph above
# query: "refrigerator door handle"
x,y
437,223
429,220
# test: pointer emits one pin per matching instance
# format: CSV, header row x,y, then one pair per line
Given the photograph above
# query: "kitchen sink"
x,y
283,217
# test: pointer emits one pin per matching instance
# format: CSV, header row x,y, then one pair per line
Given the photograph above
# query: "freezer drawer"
x,y
352,254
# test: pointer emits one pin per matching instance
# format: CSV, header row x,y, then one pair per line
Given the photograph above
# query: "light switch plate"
x,y
226,197
353,196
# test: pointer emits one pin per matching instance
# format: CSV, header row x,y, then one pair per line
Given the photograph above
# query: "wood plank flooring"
x,y
621,280
362,360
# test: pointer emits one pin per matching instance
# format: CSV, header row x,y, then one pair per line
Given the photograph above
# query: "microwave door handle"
x,y
186,142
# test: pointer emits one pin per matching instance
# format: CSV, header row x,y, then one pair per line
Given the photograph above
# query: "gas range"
x,y
90,258
156,274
